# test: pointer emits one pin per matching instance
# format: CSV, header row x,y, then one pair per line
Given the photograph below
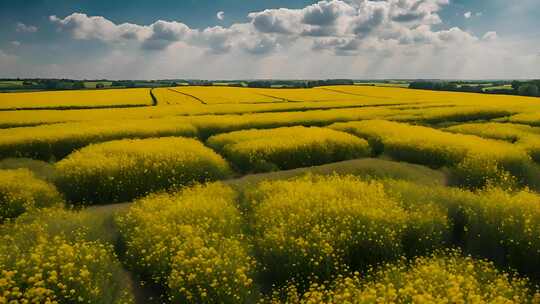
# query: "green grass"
x,y
367,168
41,169
10,84
501,87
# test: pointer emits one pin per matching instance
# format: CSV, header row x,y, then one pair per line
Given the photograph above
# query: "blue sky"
x,y
270,39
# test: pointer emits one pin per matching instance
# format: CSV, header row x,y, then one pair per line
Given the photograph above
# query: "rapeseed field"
x,y
76,99
376,195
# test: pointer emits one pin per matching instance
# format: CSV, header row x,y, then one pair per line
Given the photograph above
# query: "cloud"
x,y
280,21
84,27
325,13
467,15
164,33
490,36
343,27
23,28
220,15
9,63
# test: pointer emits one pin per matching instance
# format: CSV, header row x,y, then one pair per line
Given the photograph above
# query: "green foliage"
x,y
528,90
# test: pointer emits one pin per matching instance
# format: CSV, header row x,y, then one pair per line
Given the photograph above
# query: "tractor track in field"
x,y
189,95
154,98
349,93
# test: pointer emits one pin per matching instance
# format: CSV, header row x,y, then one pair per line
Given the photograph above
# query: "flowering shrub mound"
x,y
319,226
38,266
190,242
477,160
20,191
122,170
287,148
440,278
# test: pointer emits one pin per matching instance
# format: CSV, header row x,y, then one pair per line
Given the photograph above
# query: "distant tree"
x,y
515,85
27,83
78,85
50,84
528,90
533,90
100,85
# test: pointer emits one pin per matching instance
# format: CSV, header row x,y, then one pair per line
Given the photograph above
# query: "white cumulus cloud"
x,y
220,15
23,28
341,27
490,36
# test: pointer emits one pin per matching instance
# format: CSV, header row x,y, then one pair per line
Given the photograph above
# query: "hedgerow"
x,y
21,191
125,169
190,242
287,148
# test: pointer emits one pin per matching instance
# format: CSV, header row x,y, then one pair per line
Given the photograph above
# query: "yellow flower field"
x,y
335,194
76,99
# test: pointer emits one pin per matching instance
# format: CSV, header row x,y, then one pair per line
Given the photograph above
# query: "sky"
x,y
263,39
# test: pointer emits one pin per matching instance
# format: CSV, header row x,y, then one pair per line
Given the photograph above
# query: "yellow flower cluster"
x,y
524,136
439,279
58,140
505,227
503,131
192,243
287,148
20,191
529,118
500,225
436,148
38,266
75,99
319,226
125,169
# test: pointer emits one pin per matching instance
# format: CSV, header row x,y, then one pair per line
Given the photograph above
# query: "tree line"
x,y
523,88
526,88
